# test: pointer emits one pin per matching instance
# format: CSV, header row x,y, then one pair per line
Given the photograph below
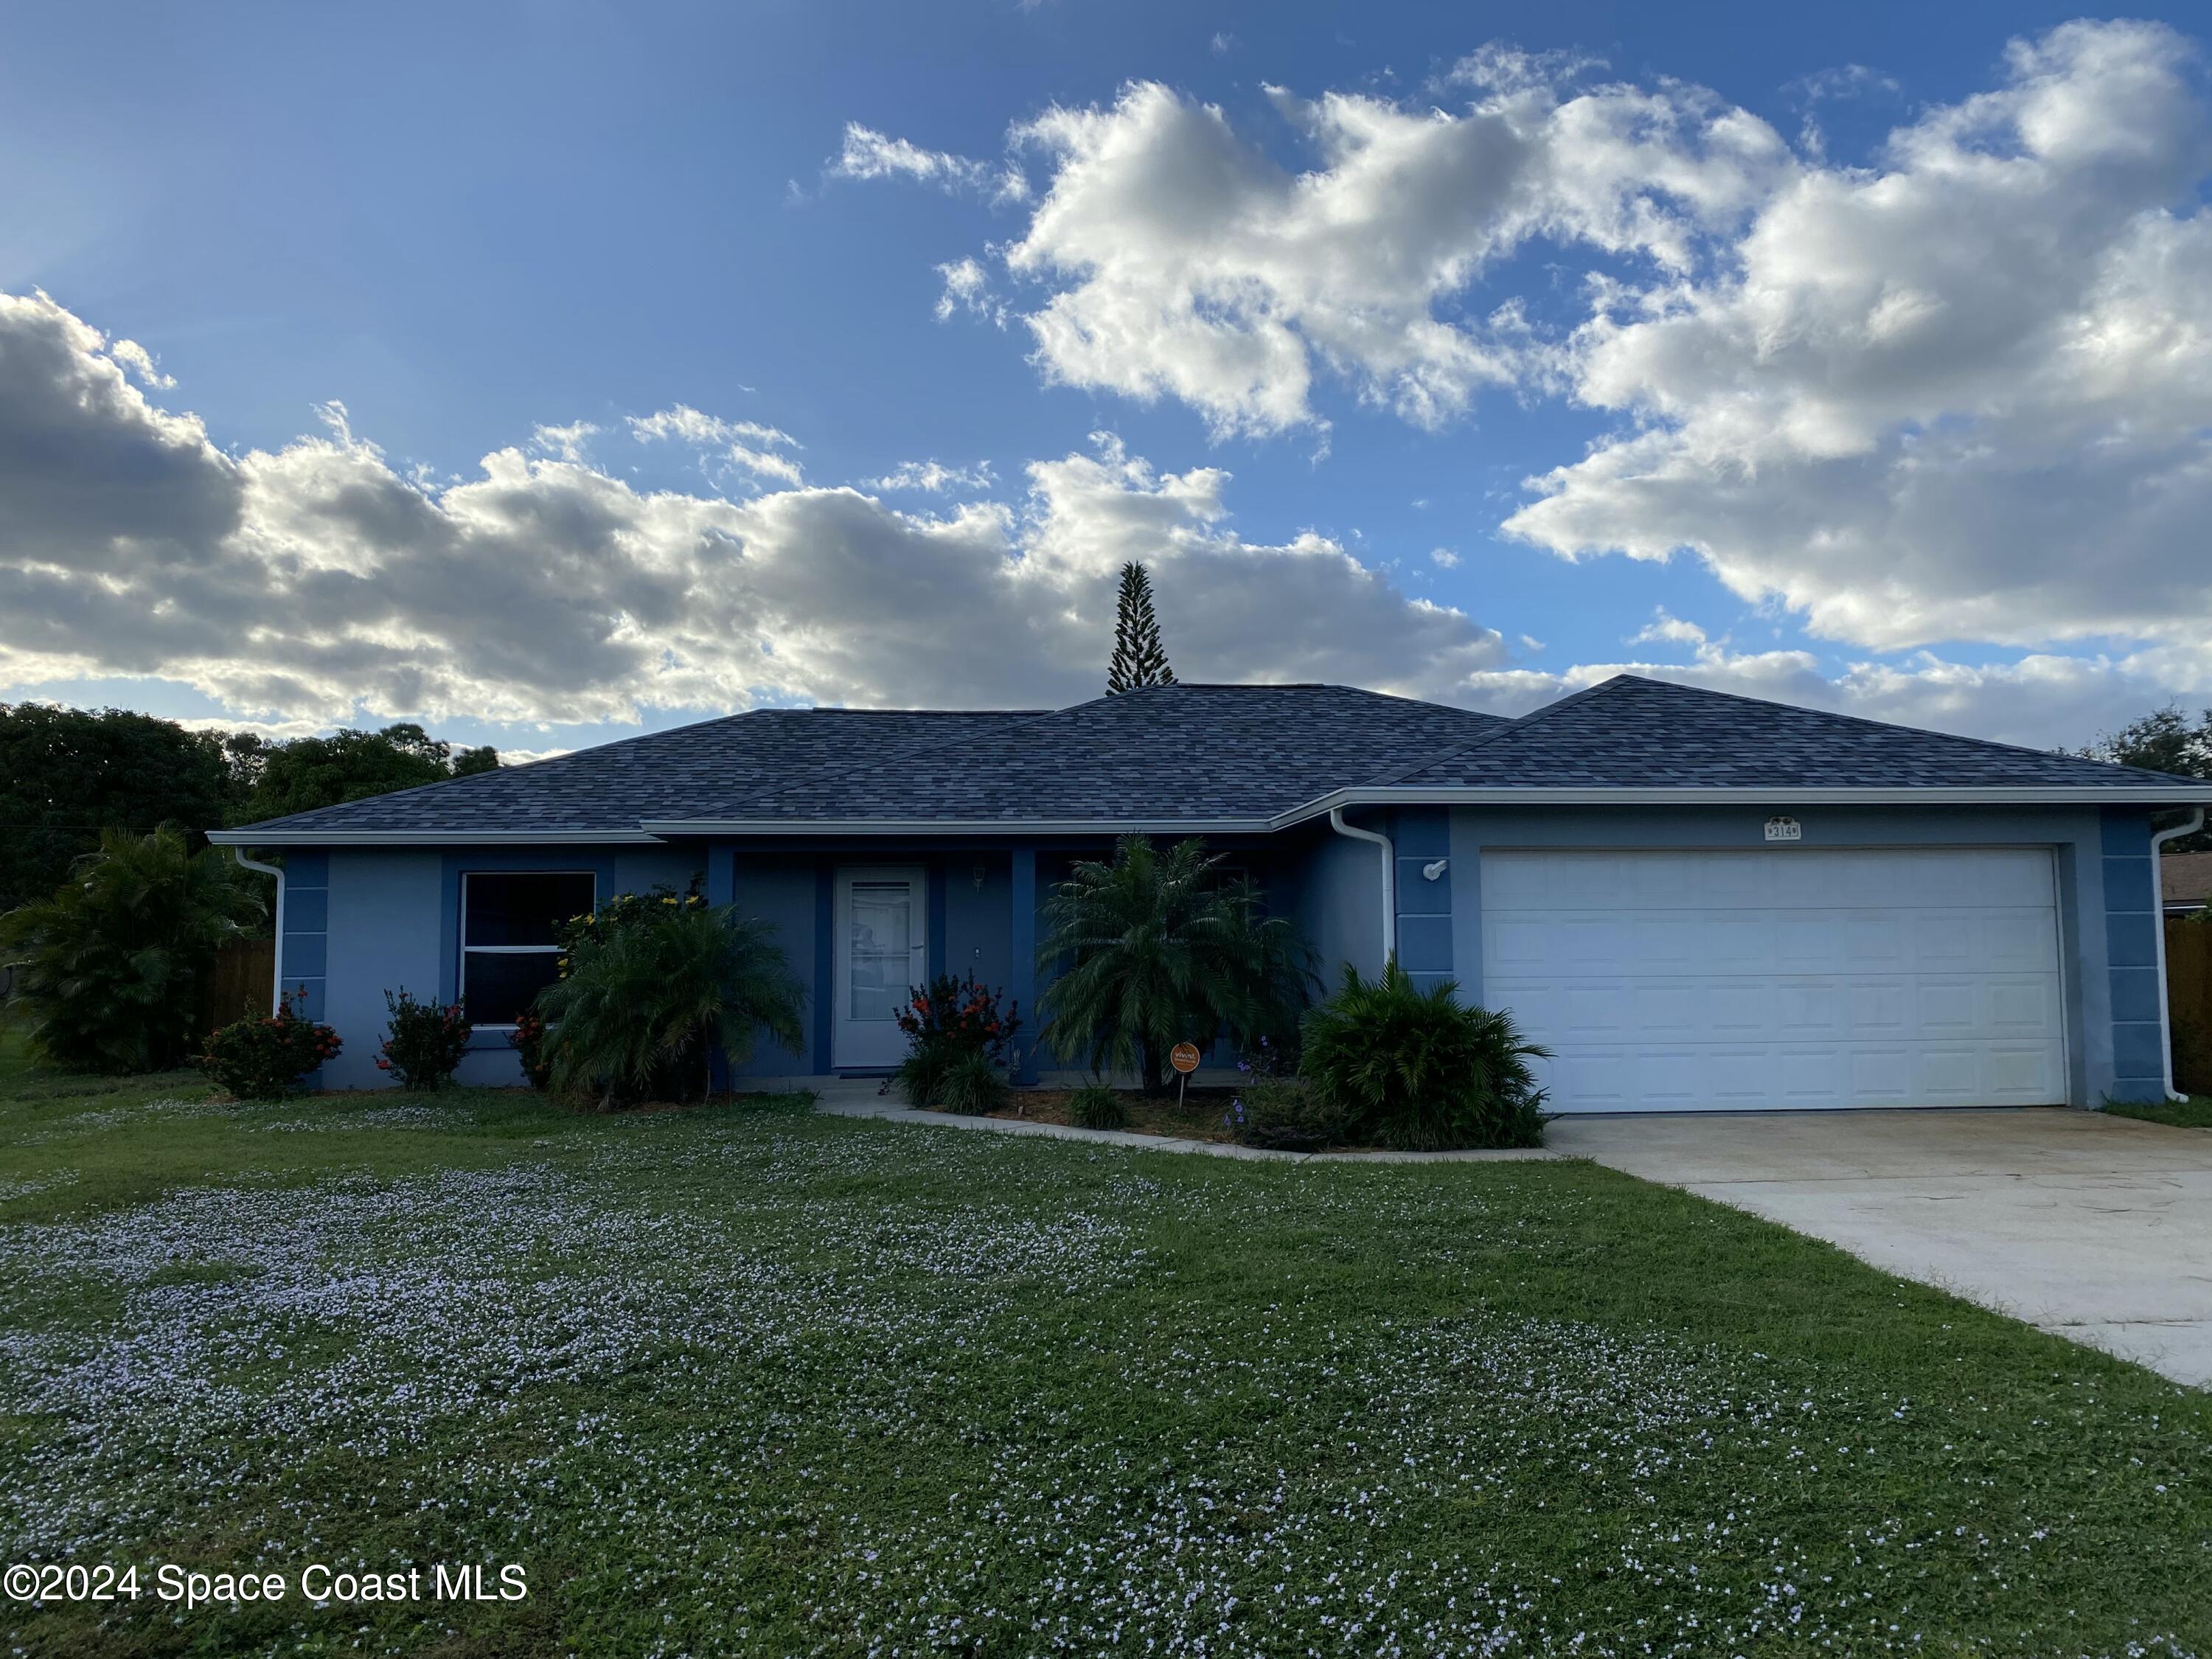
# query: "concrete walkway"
x,y
2095,1228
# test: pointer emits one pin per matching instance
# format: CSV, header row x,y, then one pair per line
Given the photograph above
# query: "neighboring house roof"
x,y
2184,880
1253,757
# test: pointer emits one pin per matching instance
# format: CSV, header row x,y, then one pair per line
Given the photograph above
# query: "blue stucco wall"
x,y
2098,854
394,920
1335,897
781,890
359,922
978,921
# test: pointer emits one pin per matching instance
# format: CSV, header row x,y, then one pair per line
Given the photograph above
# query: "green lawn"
x,y
2195,1113
747,1381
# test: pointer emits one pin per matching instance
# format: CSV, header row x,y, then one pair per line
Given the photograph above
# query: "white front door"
x,y
1814,977
882,949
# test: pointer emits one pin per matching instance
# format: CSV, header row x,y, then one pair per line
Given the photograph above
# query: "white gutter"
x,y
662,826
652,831
2157,929
277,975
2010,794
1759,796
1389,878
251,835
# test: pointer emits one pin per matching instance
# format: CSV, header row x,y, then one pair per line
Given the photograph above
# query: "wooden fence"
x,y
2188,1002
239,982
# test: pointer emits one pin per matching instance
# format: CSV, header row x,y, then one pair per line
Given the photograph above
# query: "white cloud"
x,y
1963,397
1183,261
139,362
315,584
568,442
868,154
1444,559
1960,394
747,446
687,425
1672,630
934,477
968,287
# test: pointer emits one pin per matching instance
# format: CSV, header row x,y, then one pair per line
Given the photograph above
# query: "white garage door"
x,y
1799,977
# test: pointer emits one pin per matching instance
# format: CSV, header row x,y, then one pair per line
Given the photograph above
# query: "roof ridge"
x,y
845,769
1504,729
1896,725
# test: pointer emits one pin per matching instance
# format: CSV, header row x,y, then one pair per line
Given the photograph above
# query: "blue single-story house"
x,y
1699,901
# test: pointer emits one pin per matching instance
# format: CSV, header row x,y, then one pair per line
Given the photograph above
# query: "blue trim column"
x,y
2131,921
721,889
933,960
1021,975
303,954
1422,835
825,974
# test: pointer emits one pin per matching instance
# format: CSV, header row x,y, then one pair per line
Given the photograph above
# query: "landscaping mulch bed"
x,y
1198,1116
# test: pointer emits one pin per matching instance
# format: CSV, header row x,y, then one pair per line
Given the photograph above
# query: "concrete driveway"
x,y
2095,1228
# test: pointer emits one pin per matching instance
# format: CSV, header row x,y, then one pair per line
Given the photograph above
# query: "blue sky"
x,y
465,224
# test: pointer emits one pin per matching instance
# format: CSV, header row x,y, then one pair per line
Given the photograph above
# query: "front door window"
x,y
880,954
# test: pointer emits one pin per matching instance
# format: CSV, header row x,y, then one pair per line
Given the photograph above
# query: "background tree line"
x,y
68,774
2163,741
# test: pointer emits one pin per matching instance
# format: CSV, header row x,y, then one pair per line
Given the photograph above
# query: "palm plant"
x,y
1158,948
650,985
110,968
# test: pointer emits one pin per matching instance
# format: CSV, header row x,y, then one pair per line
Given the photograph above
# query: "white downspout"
x,y
277,979
2158,932
1390,878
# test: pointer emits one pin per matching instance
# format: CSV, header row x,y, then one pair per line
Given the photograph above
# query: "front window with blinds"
x,y
510,936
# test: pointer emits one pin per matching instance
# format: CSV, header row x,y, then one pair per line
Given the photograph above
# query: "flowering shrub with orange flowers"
x,y
529,1040
424,1043
958,1039
262,1056
959,1016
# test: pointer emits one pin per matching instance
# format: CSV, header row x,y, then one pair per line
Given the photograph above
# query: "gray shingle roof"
x,y
663,774
1179,751
1633,732
1189,753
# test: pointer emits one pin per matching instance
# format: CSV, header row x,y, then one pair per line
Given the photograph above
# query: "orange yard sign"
x,y
1184,1057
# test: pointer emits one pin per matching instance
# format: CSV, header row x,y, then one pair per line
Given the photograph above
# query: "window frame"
x,y
461,967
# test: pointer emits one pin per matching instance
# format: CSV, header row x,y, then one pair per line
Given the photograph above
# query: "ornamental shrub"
x,y
529,1038
1156,948
424,1042
652,984
947,1022
1286,1113
1095,1106
262,1056
109,968
972,1086
1416,1070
